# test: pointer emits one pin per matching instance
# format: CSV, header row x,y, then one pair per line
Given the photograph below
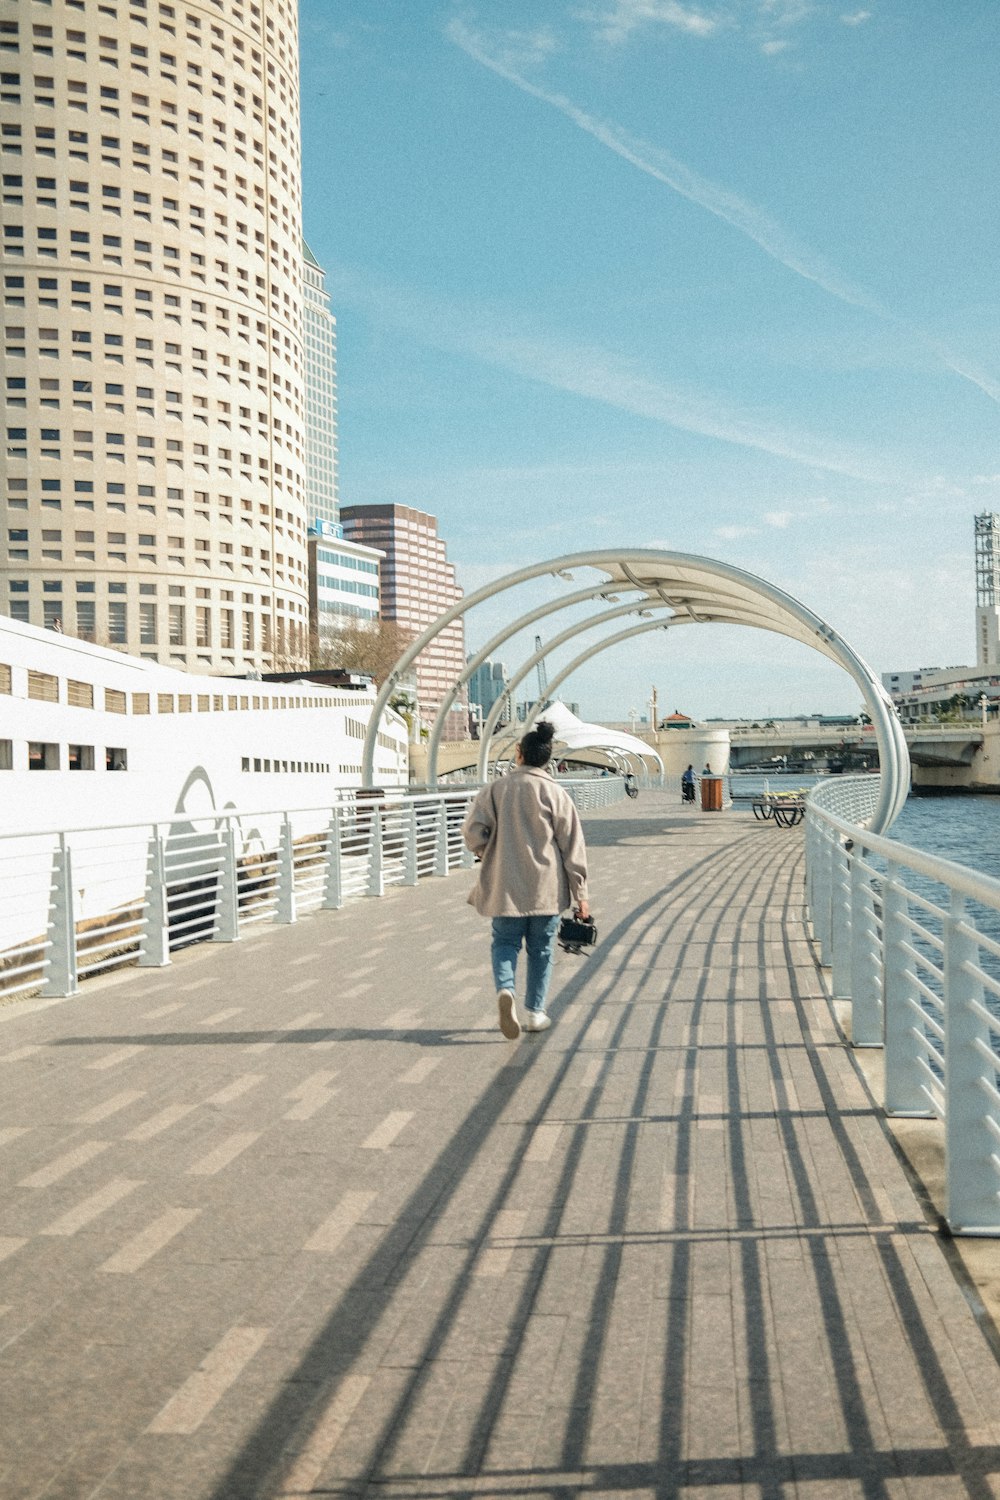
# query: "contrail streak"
x,y
742,216
588,372
659,164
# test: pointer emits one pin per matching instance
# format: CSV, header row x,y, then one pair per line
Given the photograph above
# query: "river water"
x,y
963,827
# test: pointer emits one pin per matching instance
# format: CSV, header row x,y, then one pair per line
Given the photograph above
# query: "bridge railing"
x,y
91,900
913,943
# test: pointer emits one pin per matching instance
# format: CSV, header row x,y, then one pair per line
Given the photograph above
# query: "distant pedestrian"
x,y
687,785
526,832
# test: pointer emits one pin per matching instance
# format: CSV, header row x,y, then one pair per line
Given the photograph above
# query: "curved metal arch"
x,y
549,608
567,671
523,670
709,592
722,617
558,567
901,748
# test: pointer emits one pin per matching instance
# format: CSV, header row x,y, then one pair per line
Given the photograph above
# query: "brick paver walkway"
x,y
290,1218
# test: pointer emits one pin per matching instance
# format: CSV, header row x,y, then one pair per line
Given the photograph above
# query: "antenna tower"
x,y
987,588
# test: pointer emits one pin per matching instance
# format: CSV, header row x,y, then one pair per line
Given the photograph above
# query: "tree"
x,y
356,646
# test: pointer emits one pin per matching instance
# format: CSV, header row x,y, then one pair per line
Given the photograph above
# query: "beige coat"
x,y
527,831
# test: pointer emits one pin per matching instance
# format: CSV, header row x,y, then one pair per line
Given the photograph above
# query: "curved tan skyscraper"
x,y
154,462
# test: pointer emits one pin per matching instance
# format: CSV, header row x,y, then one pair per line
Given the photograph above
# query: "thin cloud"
x,y
986,383
856,18
616,24
735,533
746,218
478,334
524,49
659,164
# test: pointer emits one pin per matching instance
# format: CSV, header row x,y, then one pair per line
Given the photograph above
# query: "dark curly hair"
x,y
536,745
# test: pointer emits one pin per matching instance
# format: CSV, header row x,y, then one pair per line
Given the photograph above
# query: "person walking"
x,y
526,832
687,785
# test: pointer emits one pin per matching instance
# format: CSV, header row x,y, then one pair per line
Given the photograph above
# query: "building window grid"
x,y
295,484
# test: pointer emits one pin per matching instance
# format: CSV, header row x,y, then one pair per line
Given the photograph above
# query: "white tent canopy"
x,y
573,735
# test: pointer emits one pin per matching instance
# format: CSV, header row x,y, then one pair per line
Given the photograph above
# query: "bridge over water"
x,y
930,745
941,755
290,1218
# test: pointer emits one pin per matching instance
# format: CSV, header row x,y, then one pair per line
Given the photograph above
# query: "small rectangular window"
x,y
43,686
42,757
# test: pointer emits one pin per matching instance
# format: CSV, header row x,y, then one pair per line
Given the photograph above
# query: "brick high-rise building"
x,y
154,469
417,584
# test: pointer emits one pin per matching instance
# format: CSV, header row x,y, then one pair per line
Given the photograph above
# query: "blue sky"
x,y
719,278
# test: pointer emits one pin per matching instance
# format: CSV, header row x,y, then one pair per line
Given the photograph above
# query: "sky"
x,y
715,278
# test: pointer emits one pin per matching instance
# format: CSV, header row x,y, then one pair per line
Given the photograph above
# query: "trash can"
x,y
711,794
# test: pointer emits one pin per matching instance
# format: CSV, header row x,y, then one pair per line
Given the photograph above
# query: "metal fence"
x,y
88,901
913,942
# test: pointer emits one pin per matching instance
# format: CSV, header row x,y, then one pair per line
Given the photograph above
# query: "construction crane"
x,y
543,676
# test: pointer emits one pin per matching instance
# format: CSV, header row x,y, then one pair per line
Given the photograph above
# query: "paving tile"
x,y
665,1248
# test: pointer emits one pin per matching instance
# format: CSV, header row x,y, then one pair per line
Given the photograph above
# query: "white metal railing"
x,y
93,899
913,942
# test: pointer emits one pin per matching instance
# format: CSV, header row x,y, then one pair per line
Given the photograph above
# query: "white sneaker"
x,y
536,1020
508,1015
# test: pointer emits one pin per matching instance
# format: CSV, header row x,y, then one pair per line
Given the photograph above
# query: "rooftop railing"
x,y
91,900
913,943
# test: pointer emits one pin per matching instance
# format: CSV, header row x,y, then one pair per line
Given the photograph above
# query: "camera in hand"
x,y
576,933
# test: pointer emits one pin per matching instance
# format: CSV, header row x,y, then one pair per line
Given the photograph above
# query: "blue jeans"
x,y
538,935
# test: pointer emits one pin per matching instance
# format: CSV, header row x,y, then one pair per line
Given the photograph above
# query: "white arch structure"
x,y
493,717
626,752
696,591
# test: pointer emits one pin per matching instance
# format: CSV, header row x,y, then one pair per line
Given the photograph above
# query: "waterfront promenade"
x,y
291,1218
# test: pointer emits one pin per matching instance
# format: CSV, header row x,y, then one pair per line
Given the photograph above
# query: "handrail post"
x,y
154,945
228,925
285,909
441,842
61,966
812,842
376,877
821,894
905,1091
971,1146
866,1000
841,918
411,873
333,894
466,858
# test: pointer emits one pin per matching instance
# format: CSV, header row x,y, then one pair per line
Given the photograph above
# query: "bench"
x,y
783,808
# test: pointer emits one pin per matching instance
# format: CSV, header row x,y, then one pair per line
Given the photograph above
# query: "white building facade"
x,y
154,470
343,580
320,364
